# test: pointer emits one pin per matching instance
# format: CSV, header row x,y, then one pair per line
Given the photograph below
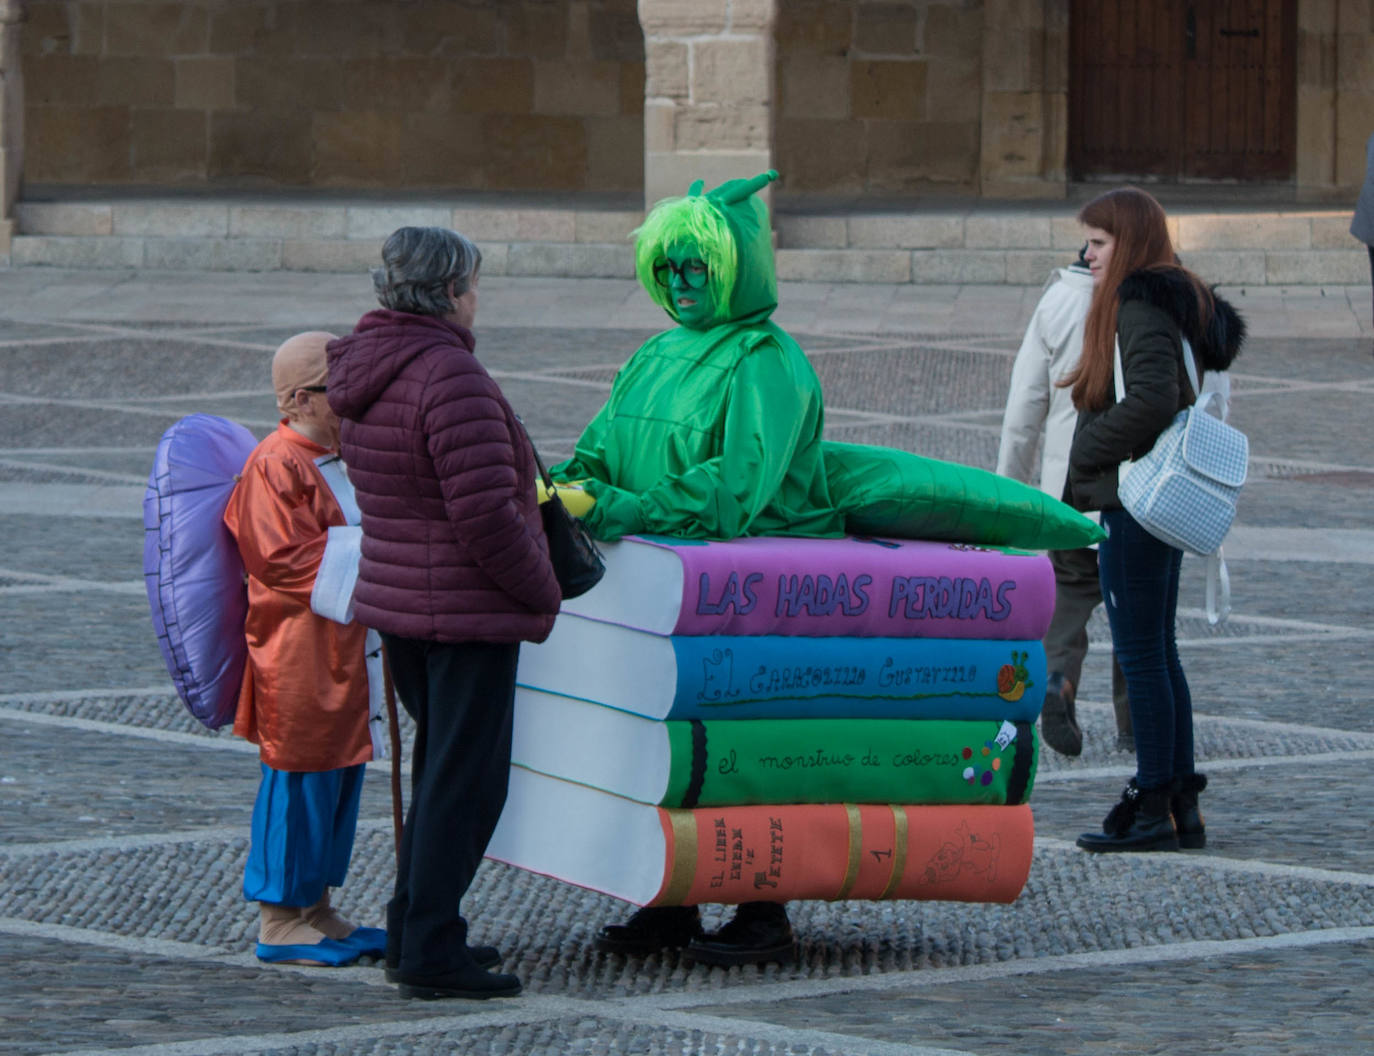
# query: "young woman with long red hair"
x,y
1144,303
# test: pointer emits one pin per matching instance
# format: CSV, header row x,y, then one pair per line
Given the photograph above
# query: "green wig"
x,y
678,221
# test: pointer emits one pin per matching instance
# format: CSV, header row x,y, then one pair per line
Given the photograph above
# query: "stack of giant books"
x,y
785,718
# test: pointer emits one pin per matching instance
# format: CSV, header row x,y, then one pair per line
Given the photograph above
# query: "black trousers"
x,y
461,696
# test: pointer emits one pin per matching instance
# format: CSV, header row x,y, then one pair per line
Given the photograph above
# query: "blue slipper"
x,y
369,942
327,951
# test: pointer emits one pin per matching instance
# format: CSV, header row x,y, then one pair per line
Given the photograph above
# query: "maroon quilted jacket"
x,y
453,545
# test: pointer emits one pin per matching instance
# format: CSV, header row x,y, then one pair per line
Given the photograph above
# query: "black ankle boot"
x,y
1192,833
1058,719
758,933
651,929
1142,821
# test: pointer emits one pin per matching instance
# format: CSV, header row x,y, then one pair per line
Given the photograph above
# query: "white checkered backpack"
x,y
1184,491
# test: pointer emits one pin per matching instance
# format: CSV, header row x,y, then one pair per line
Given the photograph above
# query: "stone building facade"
x,y
849,99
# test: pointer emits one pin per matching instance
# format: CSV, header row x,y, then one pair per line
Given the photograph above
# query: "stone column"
x,y
11,117
708,94
1024,149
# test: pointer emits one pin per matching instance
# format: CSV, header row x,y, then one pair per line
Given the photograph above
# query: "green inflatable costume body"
x,y
713,429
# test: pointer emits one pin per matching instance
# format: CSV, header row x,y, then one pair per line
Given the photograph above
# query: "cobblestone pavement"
x,y
123,823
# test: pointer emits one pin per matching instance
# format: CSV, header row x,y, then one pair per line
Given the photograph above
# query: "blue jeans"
x,y
1140,590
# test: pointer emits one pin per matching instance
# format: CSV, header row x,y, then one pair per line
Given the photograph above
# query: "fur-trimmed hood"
x,y
1216,341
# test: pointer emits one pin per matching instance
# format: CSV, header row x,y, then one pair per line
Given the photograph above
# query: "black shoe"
x,y
1192,832
1140,822
1125,742
759,933
472,984
651,929
485,956
1058,721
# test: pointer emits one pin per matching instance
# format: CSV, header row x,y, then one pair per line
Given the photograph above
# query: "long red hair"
x,y
1140,232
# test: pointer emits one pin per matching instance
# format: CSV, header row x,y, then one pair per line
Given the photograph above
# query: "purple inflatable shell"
x,y
191,565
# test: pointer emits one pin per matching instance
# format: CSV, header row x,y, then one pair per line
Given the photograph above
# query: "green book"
x,y
752,761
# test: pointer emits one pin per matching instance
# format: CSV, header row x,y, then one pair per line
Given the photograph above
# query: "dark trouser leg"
x,y
461,696
1077,592
1140,588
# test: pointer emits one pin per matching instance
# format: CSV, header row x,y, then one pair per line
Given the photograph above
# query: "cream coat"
x,y
1039,414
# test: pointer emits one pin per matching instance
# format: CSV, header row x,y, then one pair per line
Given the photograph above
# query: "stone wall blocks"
x,y
577,88
545,225
1065,231
330,254
753,15
939,266
583,261
1252,231
494,257
377,222
1227,266
1032,267
734,72
170,219
482,225
606,227
829,265
287,222
886,29
76,251
204,82
891,91
683,18
228,254
1333,232
906,231
666,69
162,29
722,128
63,218
811,232
1326,267
814,87
1009,232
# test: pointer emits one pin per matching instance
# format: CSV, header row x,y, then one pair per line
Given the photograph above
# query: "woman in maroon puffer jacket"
x,y
455,574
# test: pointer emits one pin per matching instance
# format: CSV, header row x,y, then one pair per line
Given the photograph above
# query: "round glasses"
x,y
694,274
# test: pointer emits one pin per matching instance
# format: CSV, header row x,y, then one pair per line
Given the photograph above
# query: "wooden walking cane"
x,y
394,731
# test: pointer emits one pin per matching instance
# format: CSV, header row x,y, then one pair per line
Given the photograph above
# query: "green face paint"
x,y
686,277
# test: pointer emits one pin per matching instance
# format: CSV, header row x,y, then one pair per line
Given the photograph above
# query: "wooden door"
x,y
1179,90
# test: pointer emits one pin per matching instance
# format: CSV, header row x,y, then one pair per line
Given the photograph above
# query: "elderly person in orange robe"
x,y
312,683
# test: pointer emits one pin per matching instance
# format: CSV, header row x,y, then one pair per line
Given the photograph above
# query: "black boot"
x,y
1192,833
651,929
1140,822
1058,722
758,933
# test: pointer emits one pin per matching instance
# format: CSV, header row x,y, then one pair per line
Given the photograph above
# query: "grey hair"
x,y
418,263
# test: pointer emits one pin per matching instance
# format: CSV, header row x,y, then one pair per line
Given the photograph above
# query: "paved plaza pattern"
x,y
123,823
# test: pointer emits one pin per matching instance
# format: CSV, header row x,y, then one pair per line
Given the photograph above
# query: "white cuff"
x,y
332,596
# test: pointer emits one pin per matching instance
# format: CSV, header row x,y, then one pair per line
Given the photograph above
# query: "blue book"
x,y
776,677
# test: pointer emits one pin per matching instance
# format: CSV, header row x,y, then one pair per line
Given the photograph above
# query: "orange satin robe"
x,y
304,700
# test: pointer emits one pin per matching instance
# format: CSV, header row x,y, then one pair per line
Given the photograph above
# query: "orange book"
x,y
654,856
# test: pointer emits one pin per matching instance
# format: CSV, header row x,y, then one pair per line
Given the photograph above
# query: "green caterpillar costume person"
x,y
713,429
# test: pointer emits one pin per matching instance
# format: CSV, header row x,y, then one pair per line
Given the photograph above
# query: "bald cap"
x,y
299,363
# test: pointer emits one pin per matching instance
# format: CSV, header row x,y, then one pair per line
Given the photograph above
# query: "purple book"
x,y
852,587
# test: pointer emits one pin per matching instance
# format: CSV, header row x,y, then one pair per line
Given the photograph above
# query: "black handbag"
x,y
573,552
